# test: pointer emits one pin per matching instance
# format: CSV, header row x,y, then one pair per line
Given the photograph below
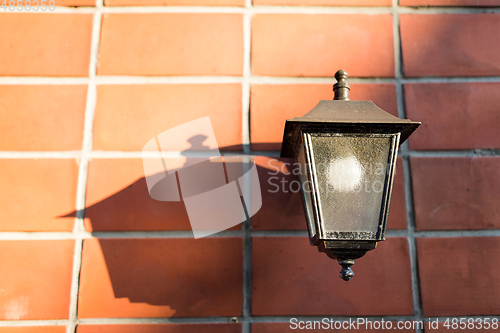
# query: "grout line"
x,y
6,236
246,78
392,233
451,153
30,323
247,225
457,233
83,172
279,233
109,235
229,10
411,232
398,61
41,154
410,221
32,80
137,154
54,235
247,274
158,320
161,234
209,320
258,10
246,82
396,233
75,283
450,79
373,10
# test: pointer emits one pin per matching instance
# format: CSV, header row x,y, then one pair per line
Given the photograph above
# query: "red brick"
x,y
319,45
36,279
465,3
282,207
128,116
72,2
33,329
118,199
46,45
282,266
172,277
42,117
286,328
454,115
459,276
397,209
450,44
271,105
37,194
456,192
239,3
171,44
322,2
161,328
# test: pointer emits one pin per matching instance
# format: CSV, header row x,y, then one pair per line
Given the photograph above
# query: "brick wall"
x,y
82,246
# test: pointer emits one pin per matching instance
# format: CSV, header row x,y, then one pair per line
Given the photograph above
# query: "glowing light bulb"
x,y
345,174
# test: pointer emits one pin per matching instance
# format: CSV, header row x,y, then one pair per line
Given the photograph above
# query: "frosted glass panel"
x,y
351,172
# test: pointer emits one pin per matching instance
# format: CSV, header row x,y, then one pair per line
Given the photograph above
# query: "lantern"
x,y
346,152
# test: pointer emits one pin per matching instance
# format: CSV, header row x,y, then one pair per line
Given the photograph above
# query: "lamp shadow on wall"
x,y
173,272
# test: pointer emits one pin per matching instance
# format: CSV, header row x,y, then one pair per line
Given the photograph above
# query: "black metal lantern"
x,y
347,152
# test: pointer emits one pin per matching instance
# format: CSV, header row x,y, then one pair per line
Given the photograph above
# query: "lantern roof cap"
x,y
344,116
348,112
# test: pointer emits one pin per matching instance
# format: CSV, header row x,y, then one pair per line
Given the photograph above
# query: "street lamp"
x,y
346,152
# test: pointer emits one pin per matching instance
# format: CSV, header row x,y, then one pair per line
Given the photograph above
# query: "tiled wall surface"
x,y
82,245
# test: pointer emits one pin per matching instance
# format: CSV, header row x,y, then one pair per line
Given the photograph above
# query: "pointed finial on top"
x,y
341,88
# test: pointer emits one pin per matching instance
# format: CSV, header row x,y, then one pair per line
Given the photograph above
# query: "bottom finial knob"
x,y
346,273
